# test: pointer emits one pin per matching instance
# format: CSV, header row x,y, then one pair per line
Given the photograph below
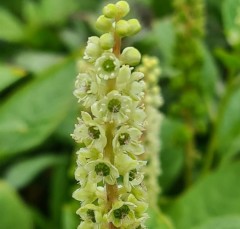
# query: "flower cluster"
x,y
153,101
109,131
187,101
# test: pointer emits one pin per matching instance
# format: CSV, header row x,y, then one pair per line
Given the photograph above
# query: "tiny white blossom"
x,y
107,66
102,170
113,107
90,132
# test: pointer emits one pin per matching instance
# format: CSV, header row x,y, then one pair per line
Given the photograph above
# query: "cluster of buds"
x,y
153,101
109,171
188,102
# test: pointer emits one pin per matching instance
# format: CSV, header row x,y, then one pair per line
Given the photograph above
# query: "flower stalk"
x,y
110,173
153,101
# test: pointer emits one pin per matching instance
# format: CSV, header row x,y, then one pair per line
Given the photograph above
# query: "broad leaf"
x,y
172,152
226,222
37,62
158,220
62,10
165,38
229,12
33,112
11,28
9,75
215,195
13,212
17,176
228,129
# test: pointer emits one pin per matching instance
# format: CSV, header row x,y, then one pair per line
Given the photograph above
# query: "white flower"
x,y
107,66
102,170
88,88
141,206
130,83
113,107
134,177
122,214
127,139
81,175
85,155
90,132
86,194
137,118
93,49
91,213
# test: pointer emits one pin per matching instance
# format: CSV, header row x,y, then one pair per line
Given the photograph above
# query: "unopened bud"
x,y
122,8
131,56
106,41
104,24
134,25
122,28
110,11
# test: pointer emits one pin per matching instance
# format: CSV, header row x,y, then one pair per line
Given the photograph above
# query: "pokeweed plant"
x,y
188,99
109,169
153,101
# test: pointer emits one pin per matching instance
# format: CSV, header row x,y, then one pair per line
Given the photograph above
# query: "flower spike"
x,y
109,131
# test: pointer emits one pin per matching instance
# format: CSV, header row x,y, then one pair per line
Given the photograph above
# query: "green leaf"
x,y
69,217
31,13
215,195
230,60
33,112
226,222
163,31
57,11
158,220
58,195
229,13
37,62
11,28
228,129
210,73
13,212
9,75
17,176
172,152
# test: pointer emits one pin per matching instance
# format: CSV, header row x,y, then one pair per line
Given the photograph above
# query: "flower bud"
x,y
110,11
131,56
104,24
122,8
106,41
134,26
122,28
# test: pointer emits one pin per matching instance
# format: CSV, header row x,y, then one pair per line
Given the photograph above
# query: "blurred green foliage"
x,y
40,44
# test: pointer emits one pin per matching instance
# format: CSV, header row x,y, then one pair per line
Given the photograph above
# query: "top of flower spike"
x,y
112,20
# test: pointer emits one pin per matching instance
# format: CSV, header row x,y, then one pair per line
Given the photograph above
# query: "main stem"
x,y
190,156
112,190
